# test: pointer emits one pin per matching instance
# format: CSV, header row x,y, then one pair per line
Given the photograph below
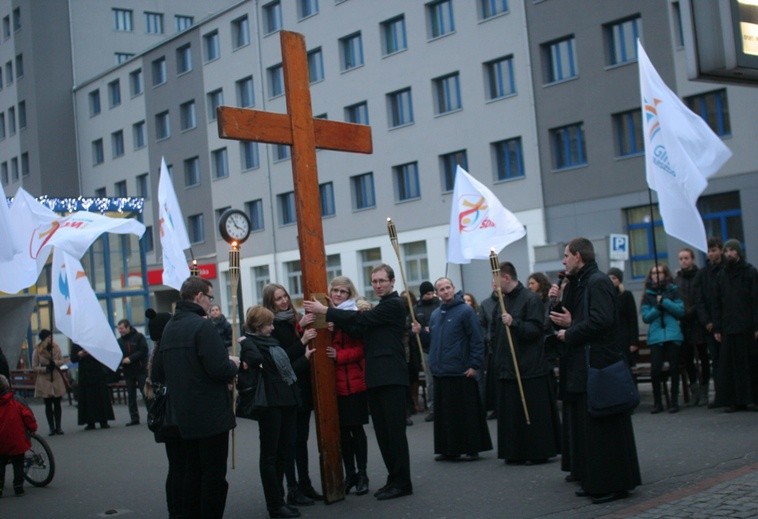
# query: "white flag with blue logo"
x,y
173,233
681,153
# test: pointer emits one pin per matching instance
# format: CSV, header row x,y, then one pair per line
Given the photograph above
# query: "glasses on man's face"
x,y
210,297
341,291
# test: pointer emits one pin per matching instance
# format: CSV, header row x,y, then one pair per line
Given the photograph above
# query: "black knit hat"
x,y
157,323
425,287
733,245
617,273
44,334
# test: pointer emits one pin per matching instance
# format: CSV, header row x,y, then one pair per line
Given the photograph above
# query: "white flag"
x,y
37,229
8,245
173,233
681,152
478,221
78,314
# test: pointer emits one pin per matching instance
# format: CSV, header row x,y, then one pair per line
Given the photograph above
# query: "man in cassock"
x,y
518,442
602,450
456,355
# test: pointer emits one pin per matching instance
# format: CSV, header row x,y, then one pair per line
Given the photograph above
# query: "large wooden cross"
x,y
304,134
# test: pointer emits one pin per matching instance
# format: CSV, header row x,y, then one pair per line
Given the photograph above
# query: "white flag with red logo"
x,y
173,233
78,314
478,221
681,153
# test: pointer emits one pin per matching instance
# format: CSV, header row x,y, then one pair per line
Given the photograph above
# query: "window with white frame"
x,y
159,71
182,22
447,93
440,18
406,182
215,99
212,46
240,32
136,82
315,65
351,51
306,8
276,80
220,160
499,77
326,195
559,57
272,17
117,144
196,228
363,191
449,163
245,92
621,40
114,93
249,155
260,277
393,35
367,260
187,116
139,135
162,126
416,264
400,106
122,19
509,159
333,266
183,59
357,113
94,103
153,23
294,274
254,210
490,8
287,214
122,57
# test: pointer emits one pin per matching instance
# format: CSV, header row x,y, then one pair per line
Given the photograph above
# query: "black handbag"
x,y
156,409
251,393
610,390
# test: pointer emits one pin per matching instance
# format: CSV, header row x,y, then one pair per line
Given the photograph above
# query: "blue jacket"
x,y
672,309
457,342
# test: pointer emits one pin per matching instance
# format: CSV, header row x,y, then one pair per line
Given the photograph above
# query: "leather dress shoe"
x,y
470,457
445,457
394,492
129,424
284,511
105,425
581,493
310,492
429,417
90,427
382,489
607,498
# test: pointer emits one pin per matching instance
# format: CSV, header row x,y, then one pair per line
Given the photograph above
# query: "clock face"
x,y
235,226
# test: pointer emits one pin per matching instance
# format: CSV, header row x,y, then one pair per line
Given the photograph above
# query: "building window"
x,y
188,119
499,77
272,17
627,130
123,56
714,109
143,186
19,66
568,146
281,152
192,172
560,60
14,169
621,40
509,159
276,80
153,23
4,173
9,72
722,215
183,22
123,20
12,120
416,264
357,113
162,126
215,99
250,157
24,164
159,71
147,239
406,182
2,126
120,188
400,107
306,8
196,228
218,214
1,78
393,35
447,93
449,163
240,32
114,93
640,230
98,155
117,144
6,27
287,214
212,48
363,191
294,279
184,59
94,103
22,115
490,8
254,211
367,260
17,19
100,192
220,163
315,65
326,193
245,93
261,278
678,31
136,82
351,50
138,134
440,16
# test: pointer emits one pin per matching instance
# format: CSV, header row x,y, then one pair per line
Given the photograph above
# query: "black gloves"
x,y
50,368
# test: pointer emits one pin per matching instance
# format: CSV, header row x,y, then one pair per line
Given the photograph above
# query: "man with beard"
x,y
735,326
705,280
694,332
602,450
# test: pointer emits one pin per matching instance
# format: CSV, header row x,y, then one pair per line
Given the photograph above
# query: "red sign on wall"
x,y
207,271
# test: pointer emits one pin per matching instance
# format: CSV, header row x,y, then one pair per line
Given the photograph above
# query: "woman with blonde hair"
x,y
49,385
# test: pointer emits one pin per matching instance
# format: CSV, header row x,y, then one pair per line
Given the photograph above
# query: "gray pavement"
x,y
697,463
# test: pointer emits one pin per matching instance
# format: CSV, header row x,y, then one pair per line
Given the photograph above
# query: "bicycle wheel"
x,y
39,464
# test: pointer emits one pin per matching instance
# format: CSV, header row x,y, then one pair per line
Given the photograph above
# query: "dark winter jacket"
x,y
196,369
705,283
457,343
735,304
489,313
423,311
224,329
663,318
287,333
628,328
255,351
527,334
693,331
350,363
134,346
382,330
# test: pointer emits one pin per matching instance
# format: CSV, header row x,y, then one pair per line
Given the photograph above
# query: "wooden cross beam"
x,y
304,134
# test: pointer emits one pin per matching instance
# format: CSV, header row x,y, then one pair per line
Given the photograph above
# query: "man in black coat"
x,y
705,281
735,326
428,302
602,450
196,369
134,365
382,330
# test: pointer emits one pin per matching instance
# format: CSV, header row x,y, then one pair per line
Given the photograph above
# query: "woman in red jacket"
x,y
352,403
15,420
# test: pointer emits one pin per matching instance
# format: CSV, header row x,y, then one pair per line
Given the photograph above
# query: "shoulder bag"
x,y
251,393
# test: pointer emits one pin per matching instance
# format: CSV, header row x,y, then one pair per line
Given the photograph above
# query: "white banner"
x,y
173,233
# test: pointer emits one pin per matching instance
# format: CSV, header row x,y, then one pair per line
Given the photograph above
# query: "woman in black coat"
x,y
276,425
94,396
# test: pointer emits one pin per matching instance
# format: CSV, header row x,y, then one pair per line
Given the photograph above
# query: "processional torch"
x,y
393,238
495,266
234,277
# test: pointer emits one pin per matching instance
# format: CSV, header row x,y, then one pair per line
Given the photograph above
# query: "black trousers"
x,y
134,382
205,486
53,412
177,470
276,429
299,457
18,470
387,406
658,354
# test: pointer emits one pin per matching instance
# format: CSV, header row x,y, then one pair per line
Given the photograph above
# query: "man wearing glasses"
x,y
382,330
195,367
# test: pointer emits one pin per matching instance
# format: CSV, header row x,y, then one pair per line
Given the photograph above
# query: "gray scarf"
x,y
279,356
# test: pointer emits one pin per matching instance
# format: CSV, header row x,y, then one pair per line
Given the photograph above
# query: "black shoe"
x,y
133,422
492,415
470,457
445,457
607,498
394,492
296,498
571,478
284,511
105,425
19,491
310,492
59,431
674,409
90,427
361,488
429,417
408,421
656,409
350,481
51,433
383,489
581,493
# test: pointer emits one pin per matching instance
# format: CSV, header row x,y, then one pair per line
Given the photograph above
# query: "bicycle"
x,y
39,463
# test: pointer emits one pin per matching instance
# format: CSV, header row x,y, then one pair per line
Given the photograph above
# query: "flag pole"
x,y
393,238
655,249
495,265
